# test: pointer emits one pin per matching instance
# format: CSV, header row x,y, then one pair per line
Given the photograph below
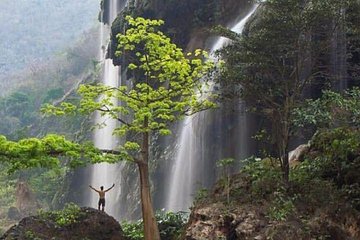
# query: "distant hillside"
x,y
33,30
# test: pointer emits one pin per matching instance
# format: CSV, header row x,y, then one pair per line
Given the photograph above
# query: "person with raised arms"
x,y
101,193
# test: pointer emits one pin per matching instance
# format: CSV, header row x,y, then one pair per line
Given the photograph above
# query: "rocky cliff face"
x,y
320,202
187,22
214,221
248,218
187,17
91,224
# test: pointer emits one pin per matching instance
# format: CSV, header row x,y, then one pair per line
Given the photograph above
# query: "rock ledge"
x,y
90,225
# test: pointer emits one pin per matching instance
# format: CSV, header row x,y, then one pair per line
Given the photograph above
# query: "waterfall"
x,y
238,28
104,174
193,168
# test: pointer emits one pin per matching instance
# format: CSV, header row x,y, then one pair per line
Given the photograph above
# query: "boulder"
x,y
296,155
91,224
215,221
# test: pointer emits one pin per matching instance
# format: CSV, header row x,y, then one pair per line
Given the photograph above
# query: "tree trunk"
x,y
286,168
282,141
289,105
151,230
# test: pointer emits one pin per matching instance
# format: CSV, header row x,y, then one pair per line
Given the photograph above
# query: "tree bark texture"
x,y
151,230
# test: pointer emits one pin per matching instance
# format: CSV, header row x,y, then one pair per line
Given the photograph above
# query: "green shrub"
x,y
70,214
7,189
133,231
226,164
331,169
46,183
29,235
264,174
281,207
170,226
334,157
201,196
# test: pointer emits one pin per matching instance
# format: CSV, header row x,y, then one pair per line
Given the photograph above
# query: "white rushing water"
x,y
238,28
191,170
106,174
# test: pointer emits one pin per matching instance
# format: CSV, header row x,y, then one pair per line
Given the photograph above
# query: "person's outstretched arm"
x,y
110,187
93,188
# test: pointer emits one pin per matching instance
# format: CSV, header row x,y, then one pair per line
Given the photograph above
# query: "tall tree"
x,y
166,85
281,53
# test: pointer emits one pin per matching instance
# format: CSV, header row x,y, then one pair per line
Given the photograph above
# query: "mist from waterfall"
x,y
203,136
104,174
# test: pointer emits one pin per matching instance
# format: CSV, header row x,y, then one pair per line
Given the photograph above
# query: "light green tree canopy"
x,y
46,152
166,84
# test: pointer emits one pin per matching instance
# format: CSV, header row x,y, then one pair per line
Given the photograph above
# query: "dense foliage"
x,y
279,57
46,152
335,147
170,226
68,215
331,110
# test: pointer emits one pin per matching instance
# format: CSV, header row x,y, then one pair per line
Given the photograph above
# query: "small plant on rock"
x,y
281,207
70,214
29,235
226,164
201,195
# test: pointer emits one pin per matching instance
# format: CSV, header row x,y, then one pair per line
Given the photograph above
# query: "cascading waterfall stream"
x,y
106,174
191,170
238,28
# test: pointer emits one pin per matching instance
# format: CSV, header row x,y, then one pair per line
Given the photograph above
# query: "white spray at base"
x,y
104,174
188,173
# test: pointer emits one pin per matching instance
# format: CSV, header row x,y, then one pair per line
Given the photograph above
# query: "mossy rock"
x,y
90,224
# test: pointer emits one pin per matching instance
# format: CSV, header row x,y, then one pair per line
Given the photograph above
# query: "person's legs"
x,y
99,203
103,205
